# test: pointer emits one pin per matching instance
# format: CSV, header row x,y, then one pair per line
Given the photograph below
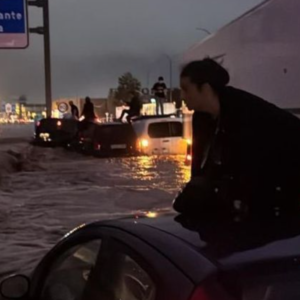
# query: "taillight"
x,y
200,294
97,146
58,123
211,291
38,124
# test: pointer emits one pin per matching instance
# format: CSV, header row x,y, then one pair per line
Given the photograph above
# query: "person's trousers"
x,y
160,104
125,111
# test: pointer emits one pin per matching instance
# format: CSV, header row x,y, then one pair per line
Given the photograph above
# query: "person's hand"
x,y
192,195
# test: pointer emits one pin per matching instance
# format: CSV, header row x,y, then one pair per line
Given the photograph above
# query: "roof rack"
x,y
153,117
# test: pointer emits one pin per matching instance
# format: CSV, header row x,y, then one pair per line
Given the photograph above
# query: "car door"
x,y
134,270
107,263
178,145
160,137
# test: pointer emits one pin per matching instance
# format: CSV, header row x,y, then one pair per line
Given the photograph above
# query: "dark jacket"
x,y
74,111
88,111
135,105
254,153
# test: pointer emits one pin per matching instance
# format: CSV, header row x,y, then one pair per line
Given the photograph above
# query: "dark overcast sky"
x,y
95,41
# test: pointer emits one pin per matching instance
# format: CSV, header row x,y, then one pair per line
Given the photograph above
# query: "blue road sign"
x,y
13,24
12,16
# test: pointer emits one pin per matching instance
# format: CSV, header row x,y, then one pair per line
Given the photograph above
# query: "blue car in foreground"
x,y
167,257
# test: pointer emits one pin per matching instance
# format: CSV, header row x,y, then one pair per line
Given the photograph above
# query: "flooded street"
x,y
57,190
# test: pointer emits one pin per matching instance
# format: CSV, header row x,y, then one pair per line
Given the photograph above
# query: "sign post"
x,y
45,30
13,24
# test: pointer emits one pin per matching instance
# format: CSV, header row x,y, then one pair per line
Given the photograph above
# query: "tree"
x,y
127,84
23,99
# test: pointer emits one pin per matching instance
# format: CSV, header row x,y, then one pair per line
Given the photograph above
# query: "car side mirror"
x,y
15,287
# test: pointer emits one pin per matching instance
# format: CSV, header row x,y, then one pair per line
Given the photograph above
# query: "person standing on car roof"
x,y
135,106
74,110
246,151
88,111
159,90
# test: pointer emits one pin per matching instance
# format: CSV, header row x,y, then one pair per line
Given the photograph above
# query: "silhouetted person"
x,y
246,151
135,107
88,110
74,110
159,90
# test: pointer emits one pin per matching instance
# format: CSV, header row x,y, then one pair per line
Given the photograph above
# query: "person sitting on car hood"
x,y
135,107
246,151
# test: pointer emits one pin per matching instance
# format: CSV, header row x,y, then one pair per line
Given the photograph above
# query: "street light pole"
x,y
45,30
47,58
171,76
148,78
171,80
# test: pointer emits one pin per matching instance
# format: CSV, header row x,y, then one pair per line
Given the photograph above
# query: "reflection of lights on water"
x,y
144,169
166,173
151,214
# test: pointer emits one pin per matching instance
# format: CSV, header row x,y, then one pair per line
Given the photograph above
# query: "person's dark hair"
x,y
160,78
206,71
87,99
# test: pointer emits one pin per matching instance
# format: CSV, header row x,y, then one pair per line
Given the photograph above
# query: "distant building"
x,y
61,106
260,49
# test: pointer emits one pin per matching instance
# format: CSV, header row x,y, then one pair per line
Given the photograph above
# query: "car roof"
x,y
153,117
228,244
156,119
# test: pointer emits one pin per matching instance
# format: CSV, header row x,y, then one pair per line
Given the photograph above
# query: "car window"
x,y
176,129
69,125
159,130
115,134
126,279
134,282
69,274
87,130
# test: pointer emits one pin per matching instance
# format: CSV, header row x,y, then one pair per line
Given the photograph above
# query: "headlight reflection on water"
x,y
167,172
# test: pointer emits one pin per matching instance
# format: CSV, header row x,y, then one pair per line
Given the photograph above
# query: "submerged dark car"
x,y
84,140
106,139
115,139
55,132
151,257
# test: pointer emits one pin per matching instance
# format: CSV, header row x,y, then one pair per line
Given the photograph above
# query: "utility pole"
x,y
170,76
171,80
45,30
